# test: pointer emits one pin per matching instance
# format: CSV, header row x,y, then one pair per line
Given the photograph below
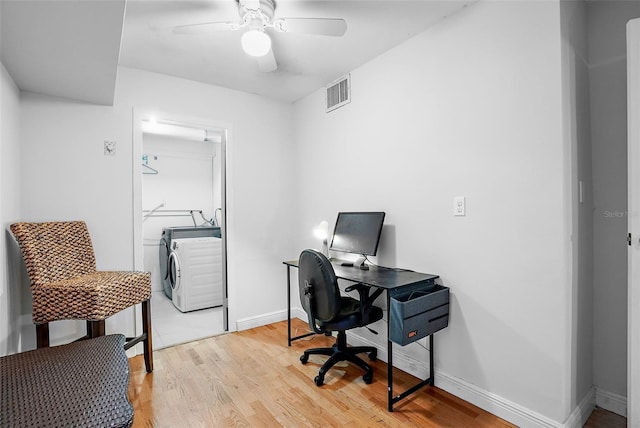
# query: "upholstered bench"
x,y
81,384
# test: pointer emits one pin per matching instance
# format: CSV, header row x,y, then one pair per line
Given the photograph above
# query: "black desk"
x,y
381,278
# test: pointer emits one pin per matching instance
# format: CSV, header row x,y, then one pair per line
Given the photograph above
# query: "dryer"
x,y
179,232
195,273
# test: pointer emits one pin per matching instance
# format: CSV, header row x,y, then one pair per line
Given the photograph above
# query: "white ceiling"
x,y
69,48
63,48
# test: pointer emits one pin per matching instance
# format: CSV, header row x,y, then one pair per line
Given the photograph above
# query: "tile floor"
x,y
172,327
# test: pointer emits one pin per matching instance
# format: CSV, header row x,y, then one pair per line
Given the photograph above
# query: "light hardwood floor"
x,y
253,379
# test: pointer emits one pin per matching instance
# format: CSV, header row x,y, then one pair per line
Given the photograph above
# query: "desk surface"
x,y
376,276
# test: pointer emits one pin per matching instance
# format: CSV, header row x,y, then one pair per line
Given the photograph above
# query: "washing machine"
x,y
180,232
195,273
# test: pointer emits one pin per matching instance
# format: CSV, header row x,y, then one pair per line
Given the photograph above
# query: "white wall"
x,y
577,132
607,58
65,175
11,301
472,107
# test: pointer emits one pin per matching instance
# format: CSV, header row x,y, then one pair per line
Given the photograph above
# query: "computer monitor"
x,y
357,232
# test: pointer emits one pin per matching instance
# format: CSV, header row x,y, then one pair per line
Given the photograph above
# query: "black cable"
x,y
367,259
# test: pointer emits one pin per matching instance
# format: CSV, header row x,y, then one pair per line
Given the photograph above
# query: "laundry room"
x,y
182,176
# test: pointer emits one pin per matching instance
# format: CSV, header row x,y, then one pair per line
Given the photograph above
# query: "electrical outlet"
x,y
458,206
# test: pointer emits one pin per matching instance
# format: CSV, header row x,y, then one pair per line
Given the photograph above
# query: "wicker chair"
x,y
66,285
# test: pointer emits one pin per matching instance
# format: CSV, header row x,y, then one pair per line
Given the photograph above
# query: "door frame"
x,y
225,132
633,152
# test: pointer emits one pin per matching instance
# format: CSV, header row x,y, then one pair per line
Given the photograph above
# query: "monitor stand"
x,y
360,262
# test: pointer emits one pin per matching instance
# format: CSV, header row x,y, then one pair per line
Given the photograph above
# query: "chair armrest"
x,y
360,287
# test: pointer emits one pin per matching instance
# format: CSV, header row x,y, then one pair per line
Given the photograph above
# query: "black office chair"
x,y
328,311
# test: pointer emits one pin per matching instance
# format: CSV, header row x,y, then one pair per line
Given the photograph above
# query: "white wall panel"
x,y
472,107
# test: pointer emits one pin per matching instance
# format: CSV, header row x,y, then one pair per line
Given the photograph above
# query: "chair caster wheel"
x,y
319,381
368,378
304,358
373,355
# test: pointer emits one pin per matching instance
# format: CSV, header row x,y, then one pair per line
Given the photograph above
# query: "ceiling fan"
x,y
257,16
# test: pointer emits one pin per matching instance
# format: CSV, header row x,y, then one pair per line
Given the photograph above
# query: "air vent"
x,y
339,93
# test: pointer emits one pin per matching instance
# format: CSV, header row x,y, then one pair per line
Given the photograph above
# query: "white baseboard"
x,y
490,402
612,402
581,413
299,313
493,403
260,320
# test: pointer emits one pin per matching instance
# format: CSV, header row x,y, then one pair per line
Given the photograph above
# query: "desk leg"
x,y
432,375
389,360
288,305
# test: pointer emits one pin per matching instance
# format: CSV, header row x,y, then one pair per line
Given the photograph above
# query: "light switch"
x,y
458,206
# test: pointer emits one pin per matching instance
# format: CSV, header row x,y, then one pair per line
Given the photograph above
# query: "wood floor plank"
x,y
253,379
601,418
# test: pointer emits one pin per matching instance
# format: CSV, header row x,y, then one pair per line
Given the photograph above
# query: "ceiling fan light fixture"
x,y
256,42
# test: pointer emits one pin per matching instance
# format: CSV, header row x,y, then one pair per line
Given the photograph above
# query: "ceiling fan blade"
x,y
322,26
206,27
267,63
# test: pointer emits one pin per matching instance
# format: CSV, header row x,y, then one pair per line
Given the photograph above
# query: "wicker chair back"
x,y
55,251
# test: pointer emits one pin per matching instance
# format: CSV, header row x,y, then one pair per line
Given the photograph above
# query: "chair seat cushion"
x,y
94,296
82,384
350,316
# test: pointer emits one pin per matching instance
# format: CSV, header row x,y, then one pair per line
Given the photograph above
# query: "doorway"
x,y
179,207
